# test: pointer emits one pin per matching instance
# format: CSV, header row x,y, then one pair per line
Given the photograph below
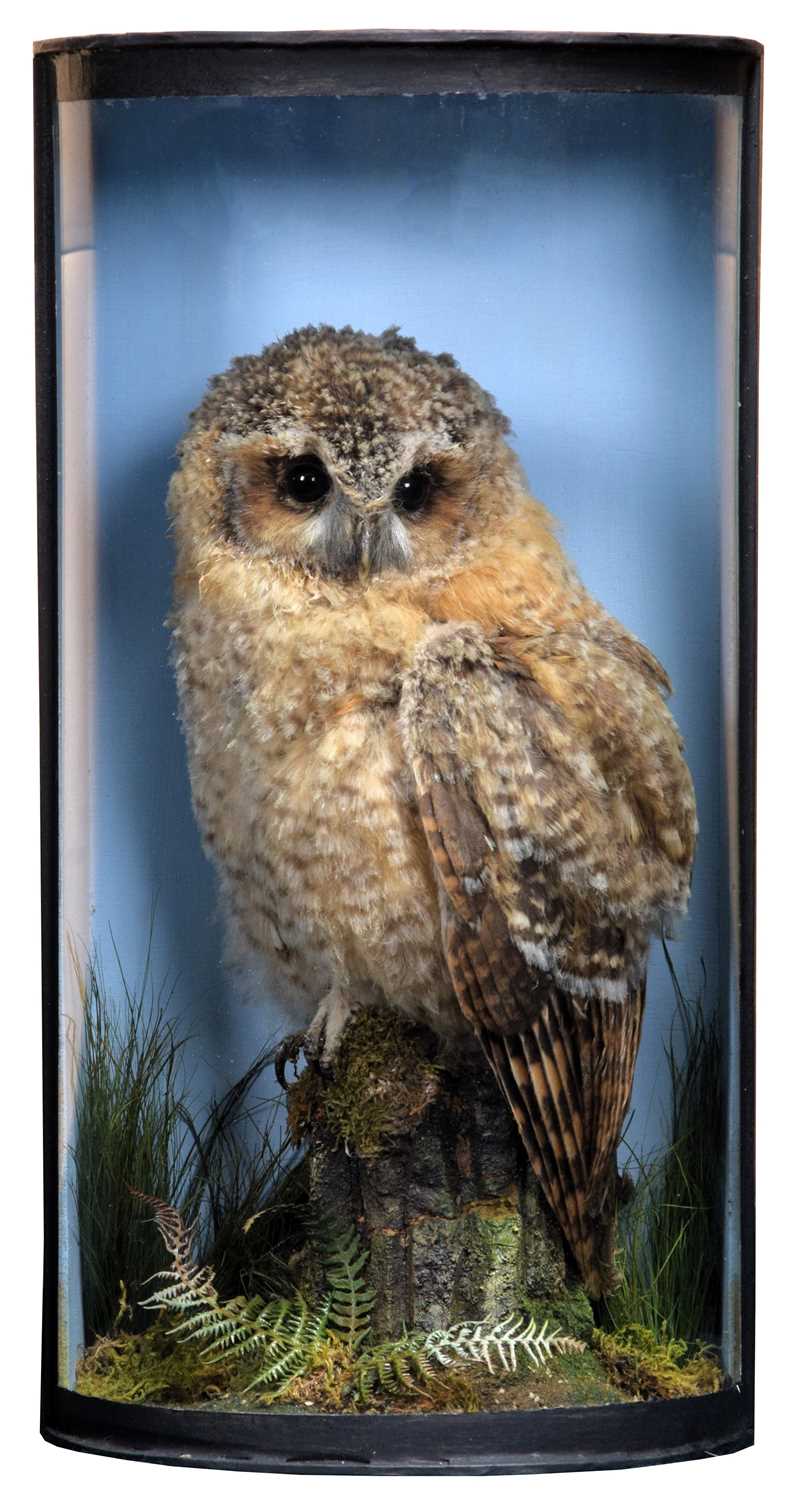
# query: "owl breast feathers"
x,y
432,772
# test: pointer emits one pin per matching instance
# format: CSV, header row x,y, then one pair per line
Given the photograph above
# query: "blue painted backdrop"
x,y
562,247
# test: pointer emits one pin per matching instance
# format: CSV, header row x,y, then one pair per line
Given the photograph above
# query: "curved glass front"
x,y
380,1237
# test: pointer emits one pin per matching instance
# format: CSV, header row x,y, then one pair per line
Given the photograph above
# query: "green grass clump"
x,y
670,1230
226,1166
129,1128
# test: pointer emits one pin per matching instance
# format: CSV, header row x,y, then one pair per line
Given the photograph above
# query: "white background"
x,y
26,1462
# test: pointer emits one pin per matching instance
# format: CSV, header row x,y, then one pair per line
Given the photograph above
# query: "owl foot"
x,y
324,1033
320,1041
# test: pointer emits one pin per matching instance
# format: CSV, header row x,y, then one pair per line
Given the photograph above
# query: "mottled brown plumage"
x,y
432,772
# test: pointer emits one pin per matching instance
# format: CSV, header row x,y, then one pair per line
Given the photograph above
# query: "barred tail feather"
x,y
567,1079
508,1063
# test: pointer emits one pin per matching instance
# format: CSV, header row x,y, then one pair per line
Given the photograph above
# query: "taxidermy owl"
x,y
432,772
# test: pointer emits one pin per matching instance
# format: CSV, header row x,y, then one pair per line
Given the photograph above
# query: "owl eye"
x,y
412,490
307,480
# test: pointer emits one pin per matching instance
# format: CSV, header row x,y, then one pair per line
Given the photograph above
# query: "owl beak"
x,y
360,541
364,524
363,531
385,543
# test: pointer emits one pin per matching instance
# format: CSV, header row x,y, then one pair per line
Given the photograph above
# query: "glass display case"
x,y
377,792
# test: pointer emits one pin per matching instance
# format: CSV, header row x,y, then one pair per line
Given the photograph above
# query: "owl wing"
x,y
559,816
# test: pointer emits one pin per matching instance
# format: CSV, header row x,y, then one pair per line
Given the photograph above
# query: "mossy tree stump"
x,y
418,1149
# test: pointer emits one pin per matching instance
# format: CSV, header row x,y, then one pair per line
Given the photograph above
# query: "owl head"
x,y
351,455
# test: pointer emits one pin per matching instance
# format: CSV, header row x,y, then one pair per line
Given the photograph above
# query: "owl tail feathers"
x,y
567,1080
551,1151
599,1271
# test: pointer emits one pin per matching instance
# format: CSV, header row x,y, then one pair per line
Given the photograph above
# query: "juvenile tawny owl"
x,y
433,773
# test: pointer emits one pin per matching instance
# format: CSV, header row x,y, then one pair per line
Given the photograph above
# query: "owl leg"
x,y
320,1040
329,1021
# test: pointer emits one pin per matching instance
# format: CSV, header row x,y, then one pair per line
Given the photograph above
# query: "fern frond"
x,y
187,1285
291,1349
415,1362
351,1300
507,1341
393,1369
286,1339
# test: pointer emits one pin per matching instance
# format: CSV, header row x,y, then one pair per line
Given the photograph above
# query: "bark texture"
x,y
423,1155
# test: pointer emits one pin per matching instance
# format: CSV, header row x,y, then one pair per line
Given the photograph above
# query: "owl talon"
x,y
313,1043
288,1052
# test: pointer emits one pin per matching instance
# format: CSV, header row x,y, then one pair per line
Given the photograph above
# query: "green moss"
x,y
303,1105
157,1367
503,1210
579,1380
385,1079
492,1242
651,1368
152,1366
571,1313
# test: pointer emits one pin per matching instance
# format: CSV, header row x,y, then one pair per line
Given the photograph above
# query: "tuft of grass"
x,y
670,1230
228,1166
131,1099
244,1188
